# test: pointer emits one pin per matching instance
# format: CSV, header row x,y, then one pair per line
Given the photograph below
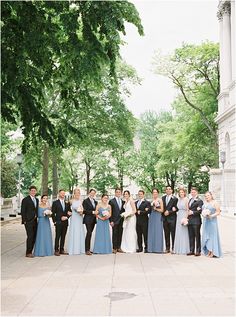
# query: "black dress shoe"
x,y
139,250
64,253
167,251
190,253
145,251
197,254
57,253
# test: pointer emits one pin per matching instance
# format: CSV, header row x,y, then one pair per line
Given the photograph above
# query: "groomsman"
x,y
29,213
61,212
89,205
116,221
194,222
169,217
143,207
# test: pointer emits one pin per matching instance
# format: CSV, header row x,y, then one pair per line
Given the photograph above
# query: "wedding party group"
x,y
168,224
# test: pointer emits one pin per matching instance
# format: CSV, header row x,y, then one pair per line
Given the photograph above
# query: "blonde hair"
x,y
182,189
210,193
75,191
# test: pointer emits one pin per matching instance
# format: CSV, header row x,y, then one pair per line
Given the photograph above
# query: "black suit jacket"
x,y
28,210
172,203
143,216
195,219
89,217
58,212
115,211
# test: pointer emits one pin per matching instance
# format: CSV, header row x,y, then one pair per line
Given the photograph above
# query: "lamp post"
x,y
223,160
19,160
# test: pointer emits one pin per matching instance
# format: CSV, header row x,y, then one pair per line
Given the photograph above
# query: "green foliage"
x,y
8,178
60,46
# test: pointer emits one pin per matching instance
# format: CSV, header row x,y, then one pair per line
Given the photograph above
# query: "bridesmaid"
x,y
155,224
210,233
181,245
43,244
102,242
76,228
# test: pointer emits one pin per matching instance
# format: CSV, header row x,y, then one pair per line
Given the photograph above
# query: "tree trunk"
x,y
45,162
88,170
54,176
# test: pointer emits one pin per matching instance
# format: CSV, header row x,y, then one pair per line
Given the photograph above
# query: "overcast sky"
x,y
167,24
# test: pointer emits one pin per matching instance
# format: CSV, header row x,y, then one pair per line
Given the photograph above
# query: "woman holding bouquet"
x,y
155,224
210,233
181,244
43,244
129,236
76,243
102,242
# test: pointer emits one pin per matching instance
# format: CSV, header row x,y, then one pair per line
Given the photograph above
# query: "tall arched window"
x,y
227,149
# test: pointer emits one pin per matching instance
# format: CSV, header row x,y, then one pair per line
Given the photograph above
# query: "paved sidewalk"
x,y
117,285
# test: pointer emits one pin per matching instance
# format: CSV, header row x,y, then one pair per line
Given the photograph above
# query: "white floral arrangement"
x,y
47,212
206,212
184,221
80,209
126,215
105,213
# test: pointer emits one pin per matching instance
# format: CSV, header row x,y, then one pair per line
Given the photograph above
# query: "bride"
x,y
129,236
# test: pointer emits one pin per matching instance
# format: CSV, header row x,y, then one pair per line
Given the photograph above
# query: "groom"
x,y
143,207
116,221
60,214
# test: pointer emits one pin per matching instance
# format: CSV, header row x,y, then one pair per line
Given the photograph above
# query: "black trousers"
x,y
89,227
117,231
194,235
169,229
142,233
31,231
61,229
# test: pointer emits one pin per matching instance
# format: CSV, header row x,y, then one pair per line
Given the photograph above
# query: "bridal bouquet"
x,y
80,210
184,221
47,212
126,215
206,212
155,204
105,213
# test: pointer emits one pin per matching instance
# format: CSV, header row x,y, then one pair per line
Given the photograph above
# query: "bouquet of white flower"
x,y
206,212
184,221
80,209
47,212
105,213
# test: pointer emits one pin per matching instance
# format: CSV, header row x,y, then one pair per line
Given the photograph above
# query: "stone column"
x,y
233,40
226,46
222,65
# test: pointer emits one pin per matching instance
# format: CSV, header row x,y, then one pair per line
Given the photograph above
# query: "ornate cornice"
x,y
224,8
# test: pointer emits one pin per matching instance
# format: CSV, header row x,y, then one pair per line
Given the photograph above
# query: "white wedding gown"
x,y
129,236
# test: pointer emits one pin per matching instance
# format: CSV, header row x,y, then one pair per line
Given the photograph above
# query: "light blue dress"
x,y
155,232
181,244
43,243
76,244
102,242
210,234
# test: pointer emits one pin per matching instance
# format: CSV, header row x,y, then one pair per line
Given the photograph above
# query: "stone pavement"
x,y
117,285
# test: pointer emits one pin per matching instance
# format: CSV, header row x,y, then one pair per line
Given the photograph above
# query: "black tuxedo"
x,y
194,224
169,222
61,226
117,229
89,220
142,222
29,214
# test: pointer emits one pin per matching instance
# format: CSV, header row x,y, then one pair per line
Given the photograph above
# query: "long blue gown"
x,y
155,232
181,244
210,234
76,231
43,243
102,242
